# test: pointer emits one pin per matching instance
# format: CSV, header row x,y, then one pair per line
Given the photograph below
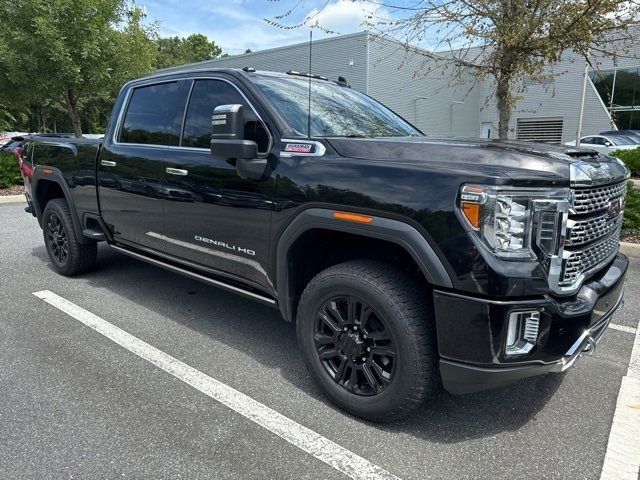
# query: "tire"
x,y
68,256
393,316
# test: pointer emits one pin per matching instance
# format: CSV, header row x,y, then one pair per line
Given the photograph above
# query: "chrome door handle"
x,y
177,171
107,163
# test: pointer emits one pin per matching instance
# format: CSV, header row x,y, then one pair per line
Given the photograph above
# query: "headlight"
x,y
513,223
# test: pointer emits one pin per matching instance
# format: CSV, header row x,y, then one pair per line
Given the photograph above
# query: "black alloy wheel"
x,y
367,336
57,238
70,254
355,346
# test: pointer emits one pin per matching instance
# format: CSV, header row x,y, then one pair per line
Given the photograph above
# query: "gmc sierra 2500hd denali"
x,y
406,262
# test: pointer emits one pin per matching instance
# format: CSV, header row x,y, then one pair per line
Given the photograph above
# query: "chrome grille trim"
x,y
580,263
589,200
591,236
592,229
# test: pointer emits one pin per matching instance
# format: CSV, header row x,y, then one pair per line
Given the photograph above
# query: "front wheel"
x,y
366,334
68,256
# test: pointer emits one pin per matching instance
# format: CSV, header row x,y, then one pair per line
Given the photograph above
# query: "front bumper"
x,y
471,332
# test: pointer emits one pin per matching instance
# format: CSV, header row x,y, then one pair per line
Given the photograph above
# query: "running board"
x,y
94,234
197,276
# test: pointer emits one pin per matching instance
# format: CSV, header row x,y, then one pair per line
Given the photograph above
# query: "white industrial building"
x,y
450,103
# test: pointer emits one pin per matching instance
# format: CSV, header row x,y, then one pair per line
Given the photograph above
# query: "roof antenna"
x,y
309,111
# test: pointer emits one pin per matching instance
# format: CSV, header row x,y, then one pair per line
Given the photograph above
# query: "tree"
x,y
174,51
73,50
502,39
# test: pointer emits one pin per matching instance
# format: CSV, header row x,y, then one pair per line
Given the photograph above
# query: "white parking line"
x,y
302,437
622,459
622,328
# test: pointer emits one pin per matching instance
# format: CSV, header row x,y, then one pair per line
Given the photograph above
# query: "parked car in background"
x,y
632,134
15,147
606,143
13,144
7,136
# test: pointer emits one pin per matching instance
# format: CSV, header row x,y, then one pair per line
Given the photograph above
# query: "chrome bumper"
x,y
586,343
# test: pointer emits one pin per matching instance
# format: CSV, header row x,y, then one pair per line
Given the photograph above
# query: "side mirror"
x,y
607,144
227,137
228,142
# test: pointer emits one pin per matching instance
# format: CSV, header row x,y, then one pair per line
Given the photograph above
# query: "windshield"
x,y
336,111
620,140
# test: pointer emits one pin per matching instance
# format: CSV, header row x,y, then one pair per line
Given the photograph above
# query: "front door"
x,y
212,216
130,169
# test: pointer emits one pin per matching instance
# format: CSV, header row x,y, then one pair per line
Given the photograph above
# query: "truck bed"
x,y
75,158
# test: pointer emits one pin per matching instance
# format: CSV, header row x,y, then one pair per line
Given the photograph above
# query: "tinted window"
x,y
588,140
150,115
205,97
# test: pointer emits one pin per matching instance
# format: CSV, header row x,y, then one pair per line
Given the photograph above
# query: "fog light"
x,y
522,332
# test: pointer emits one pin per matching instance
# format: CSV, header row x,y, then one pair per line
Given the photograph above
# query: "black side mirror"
x,y
227,137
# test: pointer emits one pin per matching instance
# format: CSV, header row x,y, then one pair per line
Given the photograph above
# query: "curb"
x,y
12,199
630,249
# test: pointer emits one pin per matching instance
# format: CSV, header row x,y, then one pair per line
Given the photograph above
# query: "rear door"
x,y
130,170
212,216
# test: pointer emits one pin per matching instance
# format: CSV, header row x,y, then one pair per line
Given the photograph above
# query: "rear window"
x,y
150,115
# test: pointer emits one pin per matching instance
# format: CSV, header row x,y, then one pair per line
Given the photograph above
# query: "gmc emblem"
x,y
615,208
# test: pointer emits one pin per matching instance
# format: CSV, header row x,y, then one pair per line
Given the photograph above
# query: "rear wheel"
x,y
68,256
365,331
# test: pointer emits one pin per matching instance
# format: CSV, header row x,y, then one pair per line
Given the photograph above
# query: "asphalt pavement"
x,y
75,404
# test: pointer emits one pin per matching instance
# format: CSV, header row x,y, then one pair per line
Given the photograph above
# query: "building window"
x,y
620,92
542,130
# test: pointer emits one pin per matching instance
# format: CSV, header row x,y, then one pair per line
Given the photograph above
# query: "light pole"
x,y
584,94
455,102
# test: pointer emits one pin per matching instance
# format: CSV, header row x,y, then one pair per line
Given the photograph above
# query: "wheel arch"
x,y
402,235
48,183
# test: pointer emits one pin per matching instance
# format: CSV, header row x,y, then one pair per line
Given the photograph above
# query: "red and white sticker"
x,y
298,148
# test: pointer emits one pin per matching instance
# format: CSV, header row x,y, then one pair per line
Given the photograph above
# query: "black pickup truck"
x,y
406,262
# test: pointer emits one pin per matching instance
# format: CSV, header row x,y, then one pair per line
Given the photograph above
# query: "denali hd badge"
x,y
218,243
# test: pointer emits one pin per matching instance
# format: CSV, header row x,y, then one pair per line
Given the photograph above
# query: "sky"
x,y
237,25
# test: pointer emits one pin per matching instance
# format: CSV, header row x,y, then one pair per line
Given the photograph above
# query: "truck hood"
x,y
524,162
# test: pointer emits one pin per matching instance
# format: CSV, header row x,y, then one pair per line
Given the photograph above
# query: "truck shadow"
x,y
261,333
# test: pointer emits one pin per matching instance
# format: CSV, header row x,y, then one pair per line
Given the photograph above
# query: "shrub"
x,y
631,220
9,170
631,159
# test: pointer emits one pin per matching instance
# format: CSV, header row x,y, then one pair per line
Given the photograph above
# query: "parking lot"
x,y
77,404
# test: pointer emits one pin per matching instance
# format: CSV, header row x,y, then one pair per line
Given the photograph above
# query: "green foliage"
x,y
631,159
9,170
631,220
174,51
59,54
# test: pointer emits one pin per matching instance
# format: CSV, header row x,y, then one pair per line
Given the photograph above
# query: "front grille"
x,y
589,200
590,229
587,260
592,232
